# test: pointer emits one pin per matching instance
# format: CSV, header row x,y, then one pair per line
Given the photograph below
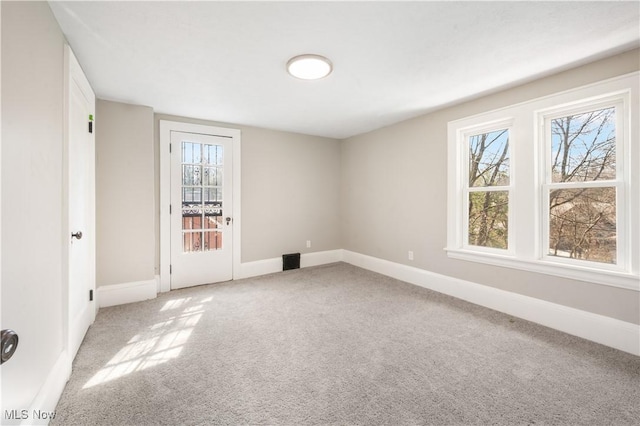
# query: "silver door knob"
x,y
77,235
9,345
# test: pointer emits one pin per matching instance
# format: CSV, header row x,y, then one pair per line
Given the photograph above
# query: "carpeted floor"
x,y
338,345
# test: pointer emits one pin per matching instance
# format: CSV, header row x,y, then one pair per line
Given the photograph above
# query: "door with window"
x,y
201,211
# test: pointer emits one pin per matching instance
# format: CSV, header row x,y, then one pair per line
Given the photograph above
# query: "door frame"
x,y
166,127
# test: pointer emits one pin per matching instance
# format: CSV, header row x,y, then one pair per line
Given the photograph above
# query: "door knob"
x,y
9,343
228,219
77,235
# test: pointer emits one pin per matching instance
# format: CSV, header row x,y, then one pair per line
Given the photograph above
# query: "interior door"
x,y
201,209
81,203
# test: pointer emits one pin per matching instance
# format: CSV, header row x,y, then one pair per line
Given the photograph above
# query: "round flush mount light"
x,y
309,67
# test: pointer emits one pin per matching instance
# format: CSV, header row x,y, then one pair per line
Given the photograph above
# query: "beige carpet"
x,y
338,345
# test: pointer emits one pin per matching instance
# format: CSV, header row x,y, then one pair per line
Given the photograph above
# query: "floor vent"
x,y
290,261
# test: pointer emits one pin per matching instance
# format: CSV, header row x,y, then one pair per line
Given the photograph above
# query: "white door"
x,y
81,203
201,209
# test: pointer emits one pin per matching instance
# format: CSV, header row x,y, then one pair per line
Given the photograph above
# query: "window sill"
x,y
609,278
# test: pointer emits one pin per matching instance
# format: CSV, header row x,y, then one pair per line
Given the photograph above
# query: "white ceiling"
x,y
225,61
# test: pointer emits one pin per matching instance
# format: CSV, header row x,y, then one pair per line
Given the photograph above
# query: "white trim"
x,y
157,279
528,201
273,265
320,258
608,331
119,294
571,271
166,127
47,398
260,267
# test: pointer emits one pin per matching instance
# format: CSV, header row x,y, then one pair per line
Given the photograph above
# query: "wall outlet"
x,y
308,243
410,255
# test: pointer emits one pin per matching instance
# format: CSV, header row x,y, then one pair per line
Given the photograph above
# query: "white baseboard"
x,y
45,402
119,294
597,328
269,266
320,258
258,267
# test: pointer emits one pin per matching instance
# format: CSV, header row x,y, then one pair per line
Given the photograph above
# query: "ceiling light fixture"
x,y
309,67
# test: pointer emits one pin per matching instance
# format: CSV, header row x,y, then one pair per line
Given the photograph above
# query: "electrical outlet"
x,y
308,243
410,255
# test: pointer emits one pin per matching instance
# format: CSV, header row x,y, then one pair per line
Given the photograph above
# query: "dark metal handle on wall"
x,y
9,345
77,235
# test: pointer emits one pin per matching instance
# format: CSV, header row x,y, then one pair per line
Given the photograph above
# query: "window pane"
x,y
213,196
213,240
191,195
212,176
213,154
191,217
213,215
213,221
192,241
488,219
582,224
191,152
583,147
191,221
191,175
489,159
187,152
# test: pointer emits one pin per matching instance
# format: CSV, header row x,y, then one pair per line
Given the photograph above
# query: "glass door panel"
x,y
202,183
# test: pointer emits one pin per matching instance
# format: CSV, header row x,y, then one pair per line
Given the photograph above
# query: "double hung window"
x,y
584,185
487,187
551,185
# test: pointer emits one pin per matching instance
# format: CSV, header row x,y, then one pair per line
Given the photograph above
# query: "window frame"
x,y
528,167
466,134
620,102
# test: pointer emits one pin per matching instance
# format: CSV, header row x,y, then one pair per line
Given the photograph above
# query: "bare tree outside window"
x,y
582,217
488,200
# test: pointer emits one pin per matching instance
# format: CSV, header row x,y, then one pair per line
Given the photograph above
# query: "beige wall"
x,y
125,219
290,191
32,203
394,197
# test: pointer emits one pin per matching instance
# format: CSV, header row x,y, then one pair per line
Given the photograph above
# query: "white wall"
x,y
125,221
394,197
32,167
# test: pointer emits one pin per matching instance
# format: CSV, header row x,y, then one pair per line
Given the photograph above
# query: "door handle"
x,y
228,219
9,344
77,235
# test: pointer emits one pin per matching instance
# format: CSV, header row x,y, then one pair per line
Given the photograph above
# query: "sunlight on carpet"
x,y
165,343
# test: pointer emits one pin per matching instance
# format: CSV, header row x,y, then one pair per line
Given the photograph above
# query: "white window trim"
x,y
529,238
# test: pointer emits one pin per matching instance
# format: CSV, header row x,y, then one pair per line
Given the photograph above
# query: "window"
x,y
584,187
547,185
487,188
